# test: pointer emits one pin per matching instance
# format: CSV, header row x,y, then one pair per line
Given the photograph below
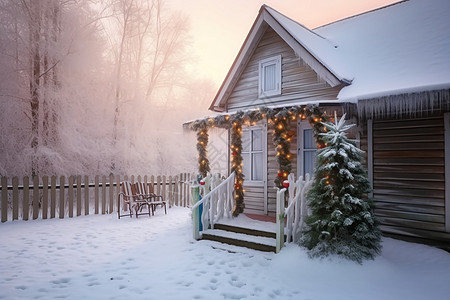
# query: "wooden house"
x,y
389,71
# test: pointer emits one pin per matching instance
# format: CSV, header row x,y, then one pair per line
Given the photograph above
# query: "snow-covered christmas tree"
x,y
342,221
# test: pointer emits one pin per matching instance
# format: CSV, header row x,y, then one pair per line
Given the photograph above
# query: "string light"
x,y
282,138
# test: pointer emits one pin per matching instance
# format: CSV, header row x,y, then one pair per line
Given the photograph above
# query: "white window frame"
x,y
301,127
275,60
248,181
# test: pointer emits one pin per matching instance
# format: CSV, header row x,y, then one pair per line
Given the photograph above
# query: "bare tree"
x,y
77,76
147,57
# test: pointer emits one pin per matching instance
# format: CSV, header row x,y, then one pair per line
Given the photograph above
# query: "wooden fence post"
x,y
97,194
158,185
78,195
180,190
62,183
103,195
163,188
111,194
53,197
86,195
45,197
70,196
186,191
170,192
175,191
4,199
118,192
26,198
35,197
15,184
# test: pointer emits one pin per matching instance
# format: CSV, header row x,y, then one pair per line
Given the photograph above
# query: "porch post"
x,y
195,213
236,164
202,143
280,214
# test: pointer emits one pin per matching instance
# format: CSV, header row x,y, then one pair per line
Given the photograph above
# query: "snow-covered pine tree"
x,y
342,221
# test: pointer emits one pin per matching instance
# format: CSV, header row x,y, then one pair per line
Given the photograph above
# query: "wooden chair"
x,y
157,200
131,200
147,192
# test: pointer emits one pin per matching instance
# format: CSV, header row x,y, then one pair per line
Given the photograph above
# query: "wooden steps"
x,y
242,237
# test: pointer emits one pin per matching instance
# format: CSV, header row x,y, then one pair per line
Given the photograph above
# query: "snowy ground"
x,y
101,257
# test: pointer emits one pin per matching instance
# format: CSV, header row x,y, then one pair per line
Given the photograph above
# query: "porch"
x,y
213,219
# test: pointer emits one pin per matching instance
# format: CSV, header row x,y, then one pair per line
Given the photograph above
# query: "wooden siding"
x,y
299,81
409,177
272,166
254,199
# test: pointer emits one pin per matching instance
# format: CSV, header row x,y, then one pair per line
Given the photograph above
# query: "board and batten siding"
x,y
408,172
299,82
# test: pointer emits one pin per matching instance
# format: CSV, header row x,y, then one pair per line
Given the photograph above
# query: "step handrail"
x,y
296,211
217,203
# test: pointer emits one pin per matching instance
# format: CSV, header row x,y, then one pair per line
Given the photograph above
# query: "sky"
x,y
218,27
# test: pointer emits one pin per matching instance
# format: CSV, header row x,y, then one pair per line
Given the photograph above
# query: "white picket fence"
x,y
217,203
295,212
60,197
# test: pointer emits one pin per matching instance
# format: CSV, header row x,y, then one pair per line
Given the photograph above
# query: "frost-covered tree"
x,y
342,221
90,84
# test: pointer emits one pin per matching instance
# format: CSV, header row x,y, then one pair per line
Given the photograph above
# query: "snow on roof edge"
x,y
415,89
317,51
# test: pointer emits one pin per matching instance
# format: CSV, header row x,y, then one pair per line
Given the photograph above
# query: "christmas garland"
x,y
236,166
202,143
282,137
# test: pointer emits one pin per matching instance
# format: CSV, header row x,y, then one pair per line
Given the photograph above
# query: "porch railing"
x,y
216,204
295,212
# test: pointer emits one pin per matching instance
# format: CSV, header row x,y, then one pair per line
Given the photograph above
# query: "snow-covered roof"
x,y
399,49
324,50
402,48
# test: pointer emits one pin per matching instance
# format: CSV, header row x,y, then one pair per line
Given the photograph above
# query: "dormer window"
x,y
270,76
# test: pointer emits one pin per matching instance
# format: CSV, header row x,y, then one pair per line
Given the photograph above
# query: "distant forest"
x,y
96,87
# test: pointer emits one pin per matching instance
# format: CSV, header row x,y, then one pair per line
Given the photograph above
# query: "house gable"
x,y
268,38
299,82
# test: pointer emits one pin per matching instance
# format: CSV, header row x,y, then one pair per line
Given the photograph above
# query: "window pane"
x,y
246,166
257,166
257,140
269,78
246,141
308,139
309,162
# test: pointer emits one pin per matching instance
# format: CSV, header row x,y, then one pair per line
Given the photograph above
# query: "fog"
x,y
98,87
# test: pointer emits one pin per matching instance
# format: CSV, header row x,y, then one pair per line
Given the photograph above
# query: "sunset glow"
x,y
218,28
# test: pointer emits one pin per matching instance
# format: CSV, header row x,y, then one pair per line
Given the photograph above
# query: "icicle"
x,y
412,105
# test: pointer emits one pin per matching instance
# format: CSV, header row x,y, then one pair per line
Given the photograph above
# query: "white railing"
x,y
216,204
296,211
